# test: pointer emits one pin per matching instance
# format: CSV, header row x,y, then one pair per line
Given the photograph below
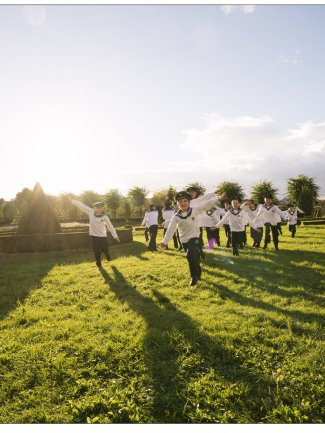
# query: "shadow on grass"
x,y
22,272
177,352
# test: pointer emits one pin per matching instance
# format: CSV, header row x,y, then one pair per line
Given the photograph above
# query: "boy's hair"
x,y
183,194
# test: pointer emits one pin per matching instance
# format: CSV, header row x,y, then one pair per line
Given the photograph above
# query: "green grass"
x,y
136,343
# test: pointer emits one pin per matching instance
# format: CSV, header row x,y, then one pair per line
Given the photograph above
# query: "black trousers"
x,y
293,229
192,251
228,234
153,230
237,239
213,236
275,235
279,226
146,231
100,245
174,239
256,236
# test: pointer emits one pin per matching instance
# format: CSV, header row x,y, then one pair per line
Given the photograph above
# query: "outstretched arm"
x,y
82,206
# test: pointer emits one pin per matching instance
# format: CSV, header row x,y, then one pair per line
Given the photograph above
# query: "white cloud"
x,y
228,9
294,58
35,15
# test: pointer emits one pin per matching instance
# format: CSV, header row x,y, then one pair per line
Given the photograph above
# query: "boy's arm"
x,y
82,206
169,233
111,228
205,206
203,198
224,220
249,221
281,213
299,210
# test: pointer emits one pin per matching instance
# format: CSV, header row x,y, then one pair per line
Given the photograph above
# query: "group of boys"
x,y
185,221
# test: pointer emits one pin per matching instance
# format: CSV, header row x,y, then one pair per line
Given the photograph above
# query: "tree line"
x,y
301,189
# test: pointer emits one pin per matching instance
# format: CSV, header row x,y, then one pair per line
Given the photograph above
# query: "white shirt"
x,y
97,224
150,218
167,215
237,220
292,216
210,218
200,200
259,222
187,222
268,213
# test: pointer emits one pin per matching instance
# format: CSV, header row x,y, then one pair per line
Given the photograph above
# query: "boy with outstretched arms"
x,y
210,218
292,216
98,221
187,222
237,219
252,209
268,212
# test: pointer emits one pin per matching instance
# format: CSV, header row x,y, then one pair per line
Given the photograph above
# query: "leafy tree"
x,y
126,208
8,212
304,191
137,196
89,197
23,201
233,190
171,192
260,190
68,210
197,185
113,201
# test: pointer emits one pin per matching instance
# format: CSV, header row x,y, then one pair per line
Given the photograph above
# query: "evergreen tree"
x,y
113,201
137,196
304,191
196,185
262,189
233,190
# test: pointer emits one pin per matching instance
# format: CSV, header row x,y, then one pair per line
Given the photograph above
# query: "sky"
x,y
99,97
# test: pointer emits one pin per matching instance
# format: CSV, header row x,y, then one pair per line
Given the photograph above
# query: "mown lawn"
x,y
136,343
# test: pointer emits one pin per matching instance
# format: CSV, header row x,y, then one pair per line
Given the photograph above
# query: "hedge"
x,y
55,242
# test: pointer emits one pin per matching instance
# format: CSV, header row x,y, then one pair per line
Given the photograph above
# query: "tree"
x,y
8,212
260,190
23,201
171,192
197,185
40,218
233,190
112,200
137,198
126,208
68,210
89,197
304,191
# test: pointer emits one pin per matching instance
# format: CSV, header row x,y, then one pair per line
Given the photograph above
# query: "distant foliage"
x,y
260,190
304,191
197,185
137,197
113,201
233,190
90,197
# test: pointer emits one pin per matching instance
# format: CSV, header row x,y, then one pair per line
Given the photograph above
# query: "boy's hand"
x,y
117,240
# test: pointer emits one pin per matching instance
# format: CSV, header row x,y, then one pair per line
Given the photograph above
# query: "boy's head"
x,y
98,207
235,203
291,207
268,199
183,199
193,191
227,205
152,206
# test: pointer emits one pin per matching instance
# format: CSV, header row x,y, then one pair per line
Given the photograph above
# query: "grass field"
x,y
135,343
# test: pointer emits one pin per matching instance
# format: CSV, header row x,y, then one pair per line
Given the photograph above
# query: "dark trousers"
x,y
153,230
293,229
213,236
146,231
192,251
279,228
100,245
256,236
201,244
179,241
228,234
237,240
174,239
275,235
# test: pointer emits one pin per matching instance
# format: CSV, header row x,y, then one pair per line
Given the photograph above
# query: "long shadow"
x,y
22,272
171,337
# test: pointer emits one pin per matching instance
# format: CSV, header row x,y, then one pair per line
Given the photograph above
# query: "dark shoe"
x,y
99,265
194,281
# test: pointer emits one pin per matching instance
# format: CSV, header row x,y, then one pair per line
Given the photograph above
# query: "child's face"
x,y
227,206
98,209
192,194
235,204
267,201
183,204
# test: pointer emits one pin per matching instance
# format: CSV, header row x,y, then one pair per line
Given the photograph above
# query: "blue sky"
x,y
101,97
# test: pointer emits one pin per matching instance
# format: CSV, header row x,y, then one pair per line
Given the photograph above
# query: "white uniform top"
x,y
292,216
187,222
200,200
259,222
97,224
167,215
237,220
151,218
268,213
210,218
144,222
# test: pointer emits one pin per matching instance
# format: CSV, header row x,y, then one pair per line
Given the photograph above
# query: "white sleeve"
x,y
82,206
249,220
259,212
279,212
205,206
170,230
110,227
224,220
299,210
199,200
144,221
